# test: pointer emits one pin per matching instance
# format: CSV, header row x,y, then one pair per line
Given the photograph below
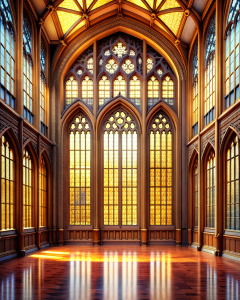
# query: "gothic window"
x,y
7,55
27,190
128,67
135,90
153,91
119,50
210,190
43,193
232,55
43,88
195,91
195,192
119,86
161,172
210,79
71,90
7,196
149,64
111,66
232,189
104,90
167,90
27,70
90,65
80,171
87,90
120,195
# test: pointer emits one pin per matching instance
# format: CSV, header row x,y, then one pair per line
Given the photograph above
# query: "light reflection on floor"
x,y
127,272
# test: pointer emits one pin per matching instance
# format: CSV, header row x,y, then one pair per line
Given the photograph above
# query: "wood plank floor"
x,y
120,272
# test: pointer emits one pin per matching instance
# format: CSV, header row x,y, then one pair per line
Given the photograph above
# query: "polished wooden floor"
x,y
120,272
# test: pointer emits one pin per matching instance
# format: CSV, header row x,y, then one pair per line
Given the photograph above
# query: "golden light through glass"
x,y
128,66
80,172
43,193
111,66
167,88
71,90
135,89
210,191
104,90
27,190
87,90
120,86
120,50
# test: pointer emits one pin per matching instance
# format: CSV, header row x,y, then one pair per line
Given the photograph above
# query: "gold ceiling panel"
x,y
80,25
100,3
88,3
172,20
150,2
138,2
67,20
169,4
158,2
70,4
80,2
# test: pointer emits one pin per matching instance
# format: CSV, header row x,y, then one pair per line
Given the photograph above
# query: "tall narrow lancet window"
x,y
7,55
43,90
87,90
233,186
135,91
80,171
43,193
7,196
27,190
161,156
195,92
195,192
104,90
119,86
210,190
232,61
167,90
71,90
153,91
210,76
27,70
120,195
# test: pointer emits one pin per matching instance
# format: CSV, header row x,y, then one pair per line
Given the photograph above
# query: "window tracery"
x,y
195,91
111,66
87,90
71,90
104,90
43,193
119,86
195,192
43,88
210,190
27,190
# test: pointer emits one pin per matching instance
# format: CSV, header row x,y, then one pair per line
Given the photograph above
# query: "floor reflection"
x,y
27,284
232,291
129,275
8,287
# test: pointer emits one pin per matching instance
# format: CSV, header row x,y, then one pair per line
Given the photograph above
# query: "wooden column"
x,y
38,239
144,152
218,105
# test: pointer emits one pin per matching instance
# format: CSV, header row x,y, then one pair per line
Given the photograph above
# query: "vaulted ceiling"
x,y
176,19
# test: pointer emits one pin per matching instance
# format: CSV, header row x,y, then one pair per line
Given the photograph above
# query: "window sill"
x,y
29,230
231,232
8,232
209,230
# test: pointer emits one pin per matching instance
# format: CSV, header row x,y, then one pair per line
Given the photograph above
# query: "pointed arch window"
x,y
232,60
161,170
27,70
80,171
104,90
119,86
120,155
167,90
87,90
210,78
71,90
195,91
210,190
7,196
43,90
135,90
233,186
27,190
195,192
7,55
153,91
43,193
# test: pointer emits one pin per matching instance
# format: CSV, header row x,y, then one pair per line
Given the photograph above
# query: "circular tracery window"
x,y
111,66
128,66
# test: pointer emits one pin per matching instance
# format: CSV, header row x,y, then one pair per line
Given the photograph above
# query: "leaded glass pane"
x,y
120,50
111,66
210,191
71,90
27,190
120,86
104,90
43,193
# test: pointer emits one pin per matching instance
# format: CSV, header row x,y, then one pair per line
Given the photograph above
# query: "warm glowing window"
x,y
119,86
90,65
195,192
87,90
149,64
71,90
161,171
104,90
232,57
128,66
195,91
80,175
135,90
7,196
120,50
120,170
43,193
7,56
210,79
232,182
111,66
167,89
153,91
43,90
210,191
27,190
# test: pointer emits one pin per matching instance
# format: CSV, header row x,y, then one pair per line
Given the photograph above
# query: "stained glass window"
x,y
43,56
120,49
120,170
128,66
87,90
120,86
153,91
233,185
210,191
27,190
7,55
90,65
80,171
7,196
161,170
149,64
43,193
210,80
135,90
232,61
111,66
195,91
43,112
104,90
167,90
195,192
71,90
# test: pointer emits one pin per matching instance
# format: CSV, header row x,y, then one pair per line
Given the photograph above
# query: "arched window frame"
x,y
88,100
120,73
168,100
210,184
195,90
7,39
153,101
195,192
43,88
100,76
71,74
232,48
135,101
43,192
